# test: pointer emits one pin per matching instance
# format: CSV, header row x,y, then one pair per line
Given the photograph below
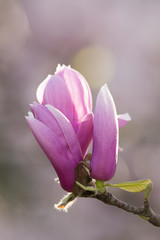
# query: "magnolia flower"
x,y
106,136
63,121
69,92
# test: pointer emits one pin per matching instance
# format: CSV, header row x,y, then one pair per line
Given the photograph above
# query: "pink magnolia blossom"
x,y
63,121
69,92
106,136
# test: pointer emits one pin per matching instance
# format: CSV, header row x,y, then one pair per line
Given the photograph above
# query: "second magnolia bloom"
x,y
105,137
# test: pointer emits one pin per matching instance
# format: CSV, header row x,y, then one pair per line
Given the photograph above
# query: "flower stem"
x,y
100,186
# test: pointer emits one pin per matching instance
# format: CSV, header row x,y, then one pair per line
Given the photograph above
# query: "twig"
x,y
83,177
144,211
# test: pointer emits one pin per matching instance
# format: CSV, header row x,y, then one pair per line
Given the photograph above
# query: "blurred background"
x,y
111,41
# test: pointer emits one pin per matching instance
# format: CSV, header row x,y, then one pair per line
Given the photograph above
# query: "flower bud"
x,y
105,137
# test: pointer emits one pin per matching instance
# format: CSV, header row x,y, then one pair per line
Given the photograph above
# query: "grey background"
x,y
117,42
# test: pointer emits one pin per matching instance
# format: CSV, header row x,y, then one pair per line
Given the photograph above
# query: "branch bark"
x,y
144,211
83,177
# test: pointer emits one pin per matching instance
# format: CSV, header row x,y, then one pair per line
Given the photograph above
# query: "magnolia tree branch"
x,y
144,211
85,186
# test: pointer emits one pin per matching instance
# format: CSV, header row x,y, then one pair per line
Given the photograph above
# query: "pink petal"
x,y
62,148
41,88
68,132
79,91
53,90
57,122
67,91
76,81
85,132
123,119
105,137
120,149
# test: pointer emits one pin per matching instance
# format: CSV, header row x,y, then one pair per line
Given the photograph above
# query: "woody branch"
x,y
143,211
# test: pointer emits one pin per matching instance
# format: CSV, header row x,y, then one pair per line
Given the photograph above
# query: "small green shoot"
x,y
134,186
65,202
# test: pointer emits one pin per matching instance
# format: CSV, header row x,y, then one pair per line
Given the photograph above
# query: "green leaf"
x,y
148,191
135,186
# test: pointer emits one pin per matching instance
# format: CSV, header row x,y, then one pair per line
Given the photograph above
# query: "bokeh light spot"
x,y
96,63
